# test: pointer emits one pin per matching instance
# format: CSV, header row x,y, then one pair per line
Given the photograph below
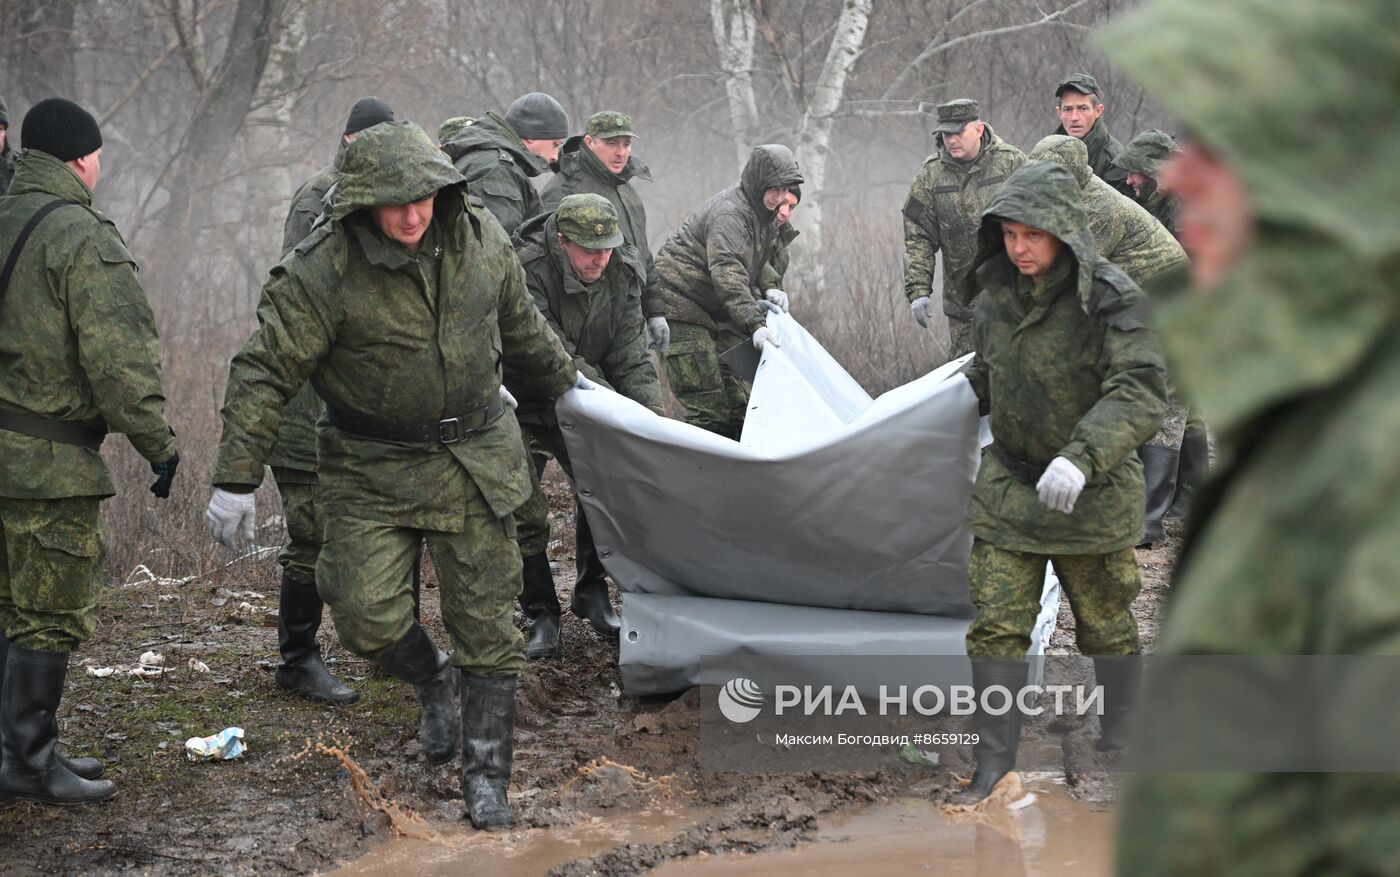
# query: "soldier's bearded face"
x,y
1216,222
545,149
613,152
967,143
1078,112
405,223
1032,250
588,265
1142,184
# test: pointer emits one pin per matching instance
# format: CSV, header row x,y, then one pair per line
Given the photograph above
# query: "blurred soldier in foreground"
x,y
1073,382
499,156
944,209
717,278
1079,104
7,155
1129,237
588,284
601,162
401,310
79,356
293,463
1289,341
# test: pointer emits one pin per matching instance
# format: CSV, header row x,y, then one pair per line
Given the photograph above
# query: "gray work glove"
x,y
1060,486
768,307
507,398
584,383
230,517
777,297
764,336
660,332
922,308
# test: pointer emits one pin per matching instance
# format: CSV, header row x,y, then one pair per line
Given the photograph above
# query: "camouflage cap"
x,y
589,221
610,124
1146,153
451,129
1080,82
955,114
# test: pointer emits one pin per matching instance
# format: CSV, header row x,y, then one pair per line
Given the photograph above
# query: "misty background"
x,y
214,111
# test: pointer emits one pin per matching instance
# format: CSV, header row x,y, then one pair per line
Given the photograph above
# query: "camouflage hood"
x,y
492,132
769,167
1066,151
1312,128
390,163
1047,196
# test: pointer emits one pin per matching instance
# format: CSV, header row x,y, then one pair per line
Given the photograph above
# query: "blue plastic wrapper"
x,y
223,746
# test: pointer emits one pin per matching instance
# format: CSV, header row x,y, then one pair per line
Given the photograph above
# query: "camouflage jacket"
x,y
1103,150
943,212
713,270
78,341
1293,358
1066,369
405,337
498,169
1164,208
1127,235
600,324
580,172
295,450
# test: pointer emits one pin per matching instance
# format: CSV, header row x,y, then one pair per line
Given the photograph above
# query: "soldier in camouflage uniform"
x,y
601,162
1288,338
717,276
1073,382
293,463
499,156
944,209
79,356
1129,237
7,155
401,310
587,281
1079,104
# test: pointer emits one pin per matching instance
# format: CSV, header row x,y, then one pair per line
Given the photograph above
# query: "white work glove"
x,y
1060,486
230,517
923,309
584,383
507,398
660,332
777,297
764,336
768,307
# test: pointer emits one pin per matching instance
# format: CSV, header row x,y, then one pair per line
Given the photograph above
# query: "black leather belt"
x,y
447,431
84,434
1027,472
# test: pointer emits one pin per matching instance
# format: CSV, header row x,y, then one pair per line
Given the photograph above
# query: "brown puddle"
x,y
517,853
1056,836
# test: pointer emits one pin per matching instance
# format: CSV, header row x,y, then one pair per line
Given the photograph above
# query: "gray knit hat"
x,y
537,116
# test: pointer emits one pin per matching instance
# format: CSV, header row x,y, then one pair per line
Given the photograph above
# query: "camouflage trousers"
x,y
301,506
714,398
959,337
1006,588
532,518
50,571
365,575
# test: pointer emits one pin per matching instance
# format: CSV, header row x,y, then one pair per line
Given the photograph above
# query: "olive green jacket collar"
x,y
37,171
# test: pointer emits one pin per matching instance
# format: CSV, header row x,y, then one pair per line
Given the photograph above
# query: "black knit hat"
x,y
61,128
365,112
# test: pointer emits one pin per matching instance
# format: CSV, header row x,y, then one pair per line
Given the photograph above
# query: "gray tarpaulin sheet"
x,y
834,526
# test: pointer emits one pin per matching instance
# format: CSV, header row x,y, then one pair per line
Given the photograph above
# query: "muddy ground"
x,y
286,808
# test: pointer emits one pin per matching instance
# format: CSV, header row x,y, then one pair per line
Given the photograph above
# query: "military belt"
x,y
84,434
447,431
1026,472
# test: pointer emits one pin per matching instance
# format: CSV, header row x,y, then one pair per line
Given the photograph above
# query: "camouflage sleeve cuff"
x,y
157,446
1078,454
237,473
652,305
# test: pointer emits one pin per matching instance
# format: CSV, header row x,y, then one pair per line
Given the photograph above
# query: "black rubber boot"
x,y
488,744
997,736
541,605
30,768
415,660
1119,678
591,600
1192,468
87,768
1159,470
302,670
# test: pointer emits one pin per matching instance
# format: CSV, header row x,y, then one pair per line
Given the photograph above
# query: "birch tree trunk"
x,y
734,27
